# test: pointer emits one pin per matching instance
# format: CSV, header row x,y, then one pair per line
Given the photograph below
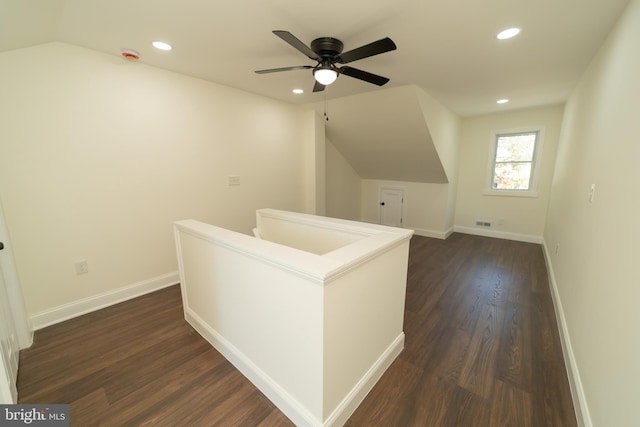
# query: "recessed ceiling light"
x,y
502,101
508,33
297,91
162,45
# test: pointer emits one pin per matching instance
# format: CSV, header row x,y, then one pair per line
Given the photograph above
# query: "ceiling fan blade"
x,y
363,75
371,49
317,87
293,41
276,70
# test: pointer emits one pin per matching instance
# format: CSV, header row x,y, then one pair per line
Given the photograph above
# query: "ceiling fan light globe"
x,y
325,76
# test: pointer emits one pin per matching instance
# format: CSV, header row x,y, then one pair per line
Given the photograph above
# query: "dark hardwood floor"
x,y
482,349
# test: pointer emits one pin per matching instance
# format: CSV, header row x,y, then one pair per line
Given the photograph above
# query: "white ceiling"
x,y
446,47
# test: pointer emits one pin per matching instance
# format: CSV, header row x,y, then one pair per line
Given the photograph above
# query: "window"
x,y
513,163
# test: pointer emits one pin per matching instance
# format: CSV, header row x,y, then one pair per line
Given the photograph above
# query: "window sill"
x,y
511,193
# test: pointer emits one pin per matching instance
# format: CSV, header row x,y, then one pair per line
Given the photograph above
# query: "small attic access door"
x,y
391,206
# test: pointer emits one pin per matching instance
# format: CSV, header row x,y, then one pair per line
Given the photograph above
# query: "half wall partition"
x,y
311,311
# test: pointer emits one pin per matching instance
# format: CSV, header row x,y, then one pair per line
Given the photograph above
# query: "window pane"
x,y
512,176
515,148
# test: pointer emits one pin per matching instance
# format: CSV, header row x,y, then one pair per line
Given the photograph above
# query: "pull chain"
x,y
326,105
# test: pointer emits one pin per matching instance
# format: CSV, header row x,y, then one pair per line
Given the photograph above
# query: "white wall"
x,y
444,127
343,186
596,269
425,205
428,207
315,159
524,217
99,156
348,306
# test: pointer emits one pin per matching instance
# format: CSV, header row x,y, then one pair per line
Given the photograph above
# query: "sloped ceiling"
x,y
384,135
446,48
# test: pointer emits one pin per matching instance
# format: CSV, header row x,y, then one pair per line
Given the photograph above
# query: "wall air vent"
x,y
485,224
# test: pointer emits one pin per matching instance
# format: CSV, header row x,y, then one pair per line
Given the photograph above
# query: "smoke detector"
x,y
130,54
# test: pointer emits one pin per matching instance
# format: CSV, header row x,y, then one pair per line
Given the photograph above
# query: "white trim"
x,y
529,238
21,322
535,164
581,407
350,403
289,406
96,302
436,234
511,193
312,221
318,269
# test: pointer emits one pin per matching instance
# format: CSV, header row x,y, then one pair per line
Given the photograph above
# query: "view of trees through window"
x,y
514,161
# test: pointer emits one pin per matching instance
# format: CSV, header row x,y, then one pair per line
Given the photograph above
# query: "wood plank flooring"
x,y
482,349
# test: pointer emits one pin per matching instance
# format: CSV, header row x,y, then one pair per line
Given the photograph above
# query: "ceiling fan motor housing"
x,y
327,47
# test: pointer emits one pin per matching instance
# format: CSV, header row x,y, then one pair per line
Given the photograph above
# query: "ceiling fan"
x,y
328,52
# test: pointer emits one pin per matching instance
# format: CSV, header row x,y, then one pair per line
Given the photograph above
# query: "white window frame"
x,y
535,163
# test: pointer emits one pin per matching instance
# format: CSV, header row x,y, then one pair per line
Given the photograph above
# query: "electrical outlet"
x,y
592,193
81,267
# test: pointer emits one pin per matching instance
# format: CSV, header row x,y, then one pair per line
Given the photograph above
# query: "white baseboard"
x,y
499,234
96,302
433,233
575,383
350,403
436,234
289,406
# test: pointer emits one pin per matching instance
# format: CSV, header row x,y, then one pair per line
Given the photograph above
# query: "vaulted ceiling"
x,y
446,47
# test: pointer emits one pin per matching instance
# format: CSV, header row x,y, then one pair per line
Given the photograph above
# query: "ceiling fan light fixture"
x,y
325,76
